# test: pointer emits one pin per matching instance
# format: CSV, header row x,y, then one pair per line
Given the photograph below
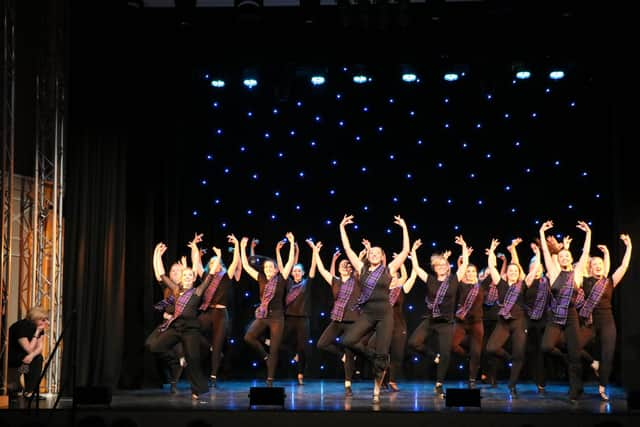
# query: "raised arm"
x,y
624,265
408,284
491,261
584,257
163,277
415,265
292,248
552,267
462,268
196,260
231,271
332,269
245,261
328,277
346,245
515,259
279,263
395,263
312,270
503,266
533,269
207,281
399,281
252,247
158,268
606,258
296,254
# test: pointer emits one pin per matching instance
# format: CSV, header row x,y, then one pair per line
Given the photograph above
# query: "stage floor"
x,y
320,402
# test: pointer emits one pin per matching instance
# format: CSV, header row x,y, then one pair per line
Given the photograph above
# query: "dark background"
x,y
141,125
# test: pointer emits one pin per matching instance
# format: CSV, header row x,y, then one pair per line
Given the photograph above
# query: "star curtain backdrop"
x,y
465,149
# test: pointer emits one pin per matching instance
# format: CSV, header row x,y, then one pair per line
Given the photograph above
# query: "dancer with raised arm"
x,y
376,314
270,312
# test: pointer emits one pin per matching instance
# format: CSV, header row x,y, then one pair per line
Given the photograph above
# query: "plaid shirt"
x,y
594,298
560,304
462,311
267,296
211,290
294,290
442,291
492,295
536,311
181,303
369,284
394,294
346,289
510,299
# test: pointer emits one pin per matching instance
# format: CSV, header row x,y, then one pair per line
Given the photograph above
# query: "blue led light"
x,y
250,83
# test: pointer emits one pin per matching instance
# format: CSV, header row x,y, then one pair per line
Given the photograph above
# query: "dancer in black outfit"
x,y
565,290
442,291
469,319
184,327
512,320
376,313
270,312
597,311
346,292
214,317
298,308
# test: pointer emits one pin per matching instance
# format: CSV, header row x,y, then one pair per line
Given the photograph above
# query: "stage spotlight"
x,y
318,80
409,78
250,83
361,79
556,75
451,77
523,74
217,83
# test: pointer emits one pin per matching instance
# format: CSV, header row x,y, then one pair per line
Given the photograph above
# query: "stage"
x,y
321,402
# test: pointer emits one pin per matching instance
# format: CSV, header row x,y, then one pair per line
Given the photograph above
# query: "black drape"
x,y
94,257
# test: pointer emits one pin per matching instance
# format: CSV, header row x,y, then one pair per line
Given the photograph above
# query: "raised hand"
x,y
416,245
583,226
336,255
366,244
459,240
398,220
603,249
279,245
290,237
515,242
625,239
501,256
183,261
535,248
546,226
310,243
566,242
318,246
232,239
197,238
254,242
348,219
446,254
243,242
494,244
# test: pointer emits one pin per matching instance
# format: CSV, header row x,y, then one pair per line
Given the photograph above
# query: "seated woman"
x,y
26,341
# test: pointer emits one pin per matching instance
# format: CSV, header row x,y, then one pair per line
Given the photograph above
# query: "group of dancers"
x,y
555,304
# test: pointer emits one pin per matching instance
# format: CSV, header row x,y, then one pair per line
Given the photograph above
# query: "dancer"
x,y
468,319
442,290
183,327
564,316
375,311
512,321
597,310
346,293
298,308
214,317
270,313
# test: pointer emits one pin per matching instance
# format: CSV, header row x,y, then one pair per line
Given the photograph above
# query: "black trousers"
x,y
535,356
296,332
215,321
327,342
475,332
397,347
553,336
603,329
516,329
275,325
186,332
367,323
171,357
444,331
31,377
486,366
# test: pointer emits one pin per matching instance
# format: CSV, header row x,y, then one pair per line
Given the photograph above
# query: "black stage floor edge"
x,y
322,403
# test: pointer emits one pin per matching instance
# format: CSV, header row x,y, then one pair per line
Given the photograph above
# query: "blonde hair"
x,y
37,313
